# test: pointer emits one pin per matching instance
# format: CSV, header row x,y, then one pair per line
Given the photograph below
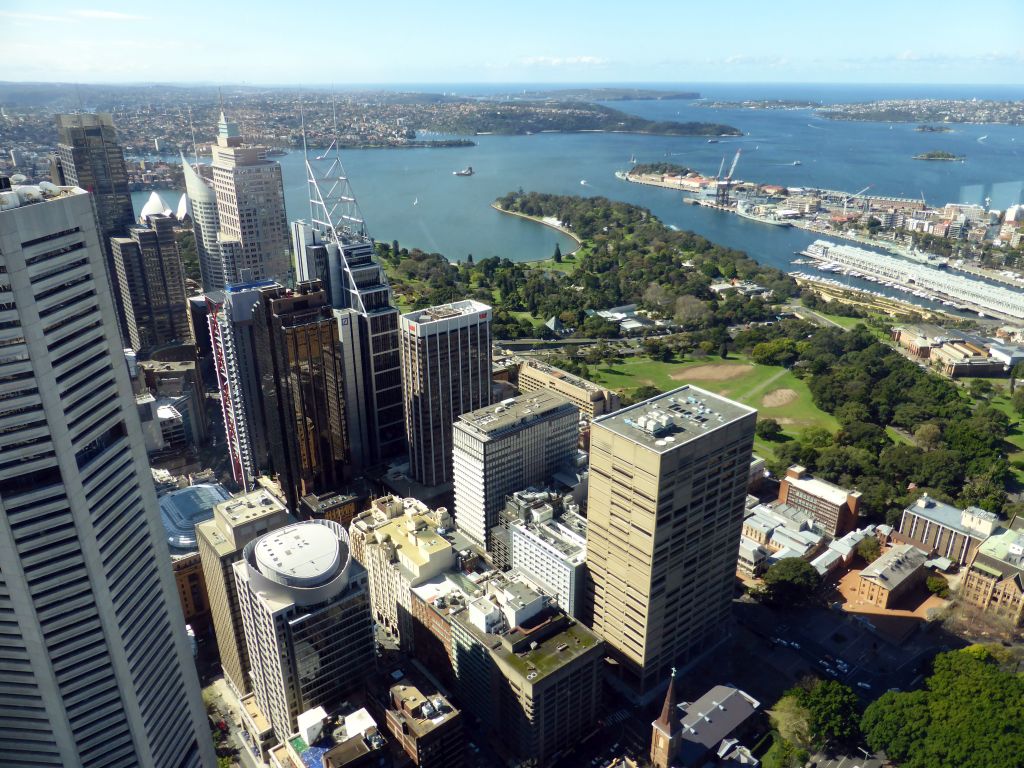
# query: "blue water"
x,y
452,215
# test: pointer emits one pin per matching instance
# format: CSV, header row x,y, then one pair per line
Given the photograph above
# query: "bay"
x,y
411,195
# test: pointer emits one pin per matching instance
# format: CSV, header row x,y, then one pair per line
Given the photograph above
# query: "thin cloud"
x,y
32,17
564,61
106,15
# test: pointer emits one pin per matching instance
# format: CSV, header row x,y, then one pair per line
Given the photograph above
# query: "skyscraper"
x,y
202,204
306,611
253,237
298,360
149,269
89,156
342,257
231,316
668,480
446,371
96,665
502,449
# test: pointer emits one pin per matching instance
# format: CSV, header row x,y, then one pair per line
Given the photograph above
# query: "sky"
x,y
333,42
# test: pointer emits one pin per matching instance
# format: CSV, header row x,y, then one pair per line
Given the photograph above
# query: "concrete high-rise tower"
x,y
89,156
149,269
668,482
253,238
305,606
446,371
502,449
96,664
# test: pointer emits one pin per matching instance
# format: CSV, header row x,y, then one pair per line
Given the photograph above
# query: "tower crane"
x,y
854,196
722,190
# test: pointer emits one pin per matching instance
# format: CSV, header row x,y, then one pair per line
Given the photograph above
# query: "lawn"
x,y
773,390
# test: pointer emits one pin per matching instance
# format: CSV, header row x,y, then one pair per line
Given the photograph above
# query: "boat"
x,y
467,171
276,152
772,220
632,158
583,182
795,162
712,141
416,201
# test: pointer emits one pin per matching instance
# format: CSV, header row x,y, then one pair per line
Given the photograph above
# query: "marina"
x,y
920,280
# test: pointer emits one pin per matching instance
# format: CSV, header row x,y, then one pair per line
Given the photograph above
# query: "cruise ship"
x,y
921,280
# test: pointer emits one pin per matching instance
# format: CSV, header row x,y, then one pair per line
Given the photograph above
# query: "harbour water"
x,y
452,214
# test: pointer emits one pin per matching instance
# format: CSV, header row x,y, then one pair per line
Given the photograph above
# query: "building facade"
x,y
148,267
221,540
299,364
946,530
834,509
446,371
891,576
668,481
994,580
92,644
306,611
253,236
345,262
505,448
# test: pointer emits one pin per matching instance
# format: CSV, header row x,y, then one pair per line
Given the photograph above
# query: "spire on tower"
x,y
666,729
669,719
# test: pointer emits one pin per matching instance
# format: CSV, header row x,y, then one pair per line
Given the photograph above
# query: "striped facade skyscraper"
x,y
95,667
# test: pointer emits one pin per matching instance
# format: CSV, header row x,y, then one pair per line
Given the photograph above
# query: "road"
x,y
817,316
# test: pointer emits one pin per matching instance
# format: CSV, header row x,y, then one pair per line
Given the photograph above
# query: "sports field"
x,y
773,390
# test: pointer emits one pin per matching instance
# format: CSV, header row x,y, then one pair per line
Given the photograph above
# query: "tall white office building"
x,y
504,448
305,605
202,207
95,666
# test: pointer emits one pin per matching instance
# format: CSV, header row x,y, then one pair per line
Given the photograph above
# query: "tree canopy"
x,y
790,581
968,716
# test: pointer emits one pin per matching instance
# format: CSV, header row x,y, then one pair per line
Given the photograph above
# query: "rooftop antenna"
x,y
220,97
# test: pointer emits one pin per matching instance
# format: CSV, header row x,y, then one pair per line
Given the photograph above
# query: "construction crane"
x,y
722,189
854,196
721,166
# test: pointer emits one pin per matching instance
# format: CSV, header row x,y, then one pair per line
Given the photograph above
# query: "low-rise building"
x,y
400,547
957,359
350,740
994,580
834,509
945,530
892,575
920,338
592,399
427,726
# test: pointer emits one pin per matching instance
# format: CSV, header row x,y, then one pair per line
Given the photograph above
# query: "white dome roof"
x,y
153,207
182,207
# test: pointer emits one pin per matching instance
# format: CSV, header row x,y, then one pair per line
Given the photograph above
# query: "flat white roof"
x,y
303,554
820,488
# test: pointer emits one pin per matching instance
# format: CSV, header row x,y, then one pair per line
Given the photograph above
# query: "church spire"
x,y
666,729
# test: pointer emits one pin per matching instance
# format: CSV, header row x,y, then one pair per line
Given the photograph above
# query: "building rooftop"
x,y
495,419
895,566
300,555
821,489
341,740
446,312
1002,554
183,509
422,714
565,376
712,718
414,538
947,515
673,418
18,195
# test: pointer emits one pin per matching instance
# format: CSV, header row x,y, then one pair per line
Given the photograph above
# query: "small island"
x,y
933,129
660,169
938,156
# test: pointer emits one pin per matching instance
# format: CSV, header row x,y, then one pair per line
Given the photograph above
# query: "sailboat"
x,y
632,159
416,201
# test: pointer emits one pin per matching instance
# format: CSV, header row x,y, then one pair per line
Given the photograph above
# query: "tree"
x,y
968,716
768,429
834,713
869,549
640,394
790,581
981,389
558,254
937,585
1018,400
928,436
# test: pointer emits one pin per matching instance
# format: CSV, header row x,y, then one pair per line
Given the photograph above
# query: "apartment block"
x,y
592,399
834,509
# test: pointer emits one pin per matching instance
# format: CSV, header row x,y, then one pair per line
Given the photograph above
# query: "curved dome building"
x,y
305,608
